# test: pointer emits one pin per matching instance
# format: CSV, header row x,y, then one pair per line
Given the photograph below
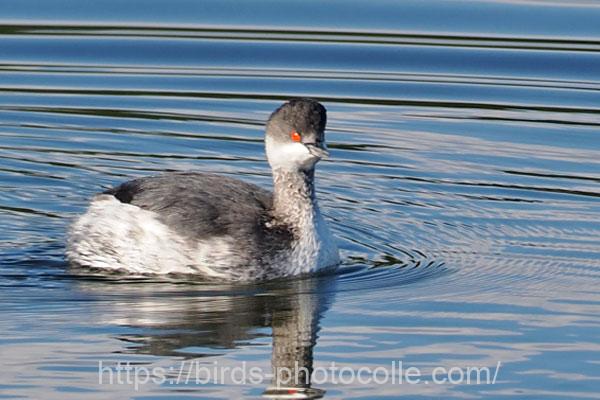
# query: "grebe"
x,y
216,226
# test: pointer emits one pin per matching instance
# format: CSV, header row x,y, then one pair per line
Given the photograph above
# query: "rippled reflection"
x,y
203,321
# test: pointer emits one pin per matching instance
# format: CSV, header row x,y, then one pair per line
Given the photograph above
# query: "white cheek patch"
x,y
289,155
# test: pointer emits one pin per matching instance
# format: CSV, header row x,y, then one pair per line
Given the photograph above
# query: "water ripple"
x,y
311,36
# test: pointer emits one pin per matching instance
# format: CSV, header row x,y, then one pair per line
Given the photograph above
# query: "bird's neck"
x,y
294,200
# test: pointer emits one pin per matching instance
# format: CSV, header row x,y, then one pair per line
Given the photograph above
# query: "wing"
x,y
199,205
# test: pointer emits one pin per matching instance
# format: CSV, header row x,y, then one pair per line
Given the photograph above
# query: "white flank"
x,y
122,237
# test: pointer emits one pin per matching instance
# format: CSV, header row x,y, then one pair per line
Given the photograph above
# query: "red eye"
x,y
296,137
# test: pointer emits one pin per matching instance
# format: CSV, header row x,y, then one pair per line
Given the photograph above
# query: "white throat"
x,y
288,156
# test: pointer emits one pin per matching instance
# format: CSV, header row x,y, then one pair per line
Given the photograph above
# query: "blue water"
x,y
463,187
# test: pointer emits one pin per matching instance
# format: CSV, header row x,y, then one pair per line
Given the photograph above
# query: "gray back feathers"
x,y
199,206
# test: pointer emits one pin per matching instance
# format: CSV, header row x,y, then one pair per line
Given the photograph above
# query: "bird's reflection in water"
x,y
198,320
295,325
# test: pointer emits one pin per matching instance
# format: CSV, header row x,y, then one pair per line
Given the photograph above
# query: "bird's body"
x,y
215,226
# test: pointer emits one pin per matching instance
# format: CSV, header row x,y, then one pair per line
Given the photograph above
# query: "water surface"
x,y
464,189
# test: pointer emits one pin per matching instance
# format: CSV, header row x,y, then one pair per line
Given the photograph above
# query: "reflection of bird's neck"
x,y
295,324
293,341
294,200
295,329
